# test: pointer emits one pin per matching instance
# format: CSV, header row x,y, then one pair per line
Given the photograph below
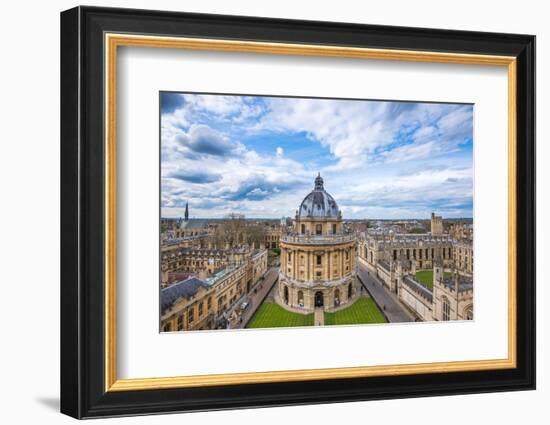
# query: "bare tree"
x,y
255,234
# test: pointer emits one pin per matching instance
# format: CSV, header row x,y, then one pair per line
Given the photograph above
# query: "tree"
x,y
254,234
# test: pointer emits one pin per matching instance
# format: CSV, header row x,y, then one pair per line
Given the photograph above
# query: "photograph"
x,y
282,212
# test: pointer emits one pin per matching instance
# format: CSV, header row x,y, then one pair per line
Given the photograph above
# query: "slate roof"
x,y
418,288
384,264
318,203
194,223
464,283
182,289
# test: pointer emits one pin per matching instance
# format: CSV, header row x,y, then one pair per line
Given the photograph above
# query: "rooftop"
x,y
319,203
417,287
183,289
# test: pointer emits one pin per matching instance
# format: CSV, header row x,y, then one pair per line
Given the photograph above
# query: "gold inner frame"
x,y
113,41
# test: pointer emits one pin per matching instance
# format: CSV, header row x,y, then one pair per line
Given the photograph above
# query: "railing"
x,y
317,239
314,282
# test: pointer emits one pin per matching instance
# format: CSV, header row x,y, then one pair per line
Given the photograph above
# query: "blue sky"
x,y
259,155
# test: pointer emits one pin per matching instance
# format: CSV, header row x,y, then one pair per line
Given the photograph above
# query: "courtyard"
x,y
362,311
271,315
426,277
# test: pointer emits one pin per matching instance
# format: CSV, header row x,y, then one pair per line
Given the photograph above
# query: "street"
x,y
256,297
393,310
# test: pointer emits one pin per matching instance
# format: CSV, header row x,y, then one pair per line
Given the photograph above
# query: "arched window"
x,y
286,294
300,298
446,309
469,313
350,290
318,229
303,229
336,298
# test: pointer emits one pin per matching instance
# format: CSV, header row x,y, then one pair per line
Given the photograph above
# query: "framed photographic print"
x,y
261,212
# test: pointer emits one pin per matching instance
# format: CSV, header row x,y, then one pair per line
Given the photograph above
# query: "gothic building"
x,y
318,259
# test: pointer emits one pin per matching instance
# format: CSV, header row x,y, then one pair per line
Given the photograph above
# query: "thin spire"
x,y
319,182
186,211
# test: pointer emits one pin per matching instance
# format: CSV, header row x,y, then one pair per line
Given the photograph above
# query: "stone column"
x,y
329,260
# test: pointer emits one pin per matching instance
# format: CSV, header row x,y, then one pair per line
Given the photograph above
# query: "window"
x,y
167,327
446,309
191,315
319,260
200,309
209,303
289,257
469,314
420,254
318,229
347,255
180,322
334,229
303,229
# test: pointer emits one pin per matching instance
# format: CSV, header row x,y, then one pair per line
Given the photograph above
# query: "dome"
x,y
318,203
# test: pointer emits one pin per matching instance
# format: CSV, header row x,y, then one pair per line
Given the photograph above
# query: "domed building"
x,y
318,259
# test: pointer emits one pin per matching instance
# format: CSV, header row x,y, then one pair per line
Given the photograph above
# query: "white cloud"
x,y
206,162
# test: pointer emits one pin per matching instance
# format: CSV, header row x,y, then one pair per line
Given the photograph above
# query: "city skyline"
x,y
256,155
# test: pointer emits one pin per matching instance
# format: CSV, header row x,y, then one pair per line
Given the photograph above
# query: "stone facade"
x,y
436,225
453,296
201,260
463,252
318,259
272,237
380,253
450,298
395,259
199,303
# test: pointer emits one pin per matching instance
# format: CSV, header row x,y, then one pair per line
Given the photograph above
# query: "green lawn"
x,y
271,315
362,311
426,277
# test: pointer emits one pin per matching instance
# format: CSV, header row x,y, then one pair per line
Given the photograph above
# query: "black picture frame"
x,y
83,392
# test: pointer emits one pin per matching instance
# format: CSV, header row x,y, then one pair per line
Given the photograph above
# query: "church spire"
x,y
186,211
